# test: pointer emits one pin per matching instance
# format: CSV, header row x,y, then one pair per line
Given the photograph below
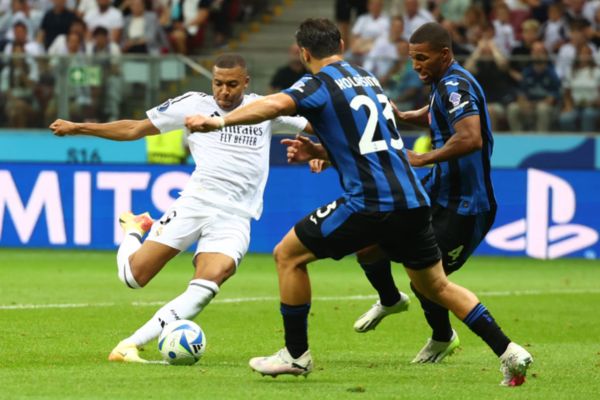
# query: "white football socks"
x,y
189,304
130,244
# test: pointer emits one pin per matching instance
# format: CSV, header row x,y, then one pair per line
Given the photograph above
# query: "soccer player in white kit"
x,y
224,192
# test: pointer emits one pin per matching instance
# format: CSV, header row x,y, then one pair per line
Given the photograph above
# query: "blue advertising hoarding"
x,y
542,214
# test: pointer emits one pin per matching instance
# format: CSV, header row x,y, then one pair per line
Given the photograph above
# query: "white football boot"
x,y
126,352
514,363
282,363
373,317
434,351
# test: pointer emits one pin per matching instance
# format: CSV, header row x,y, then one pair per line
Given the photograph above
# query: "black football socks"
x,y
480,321
295,324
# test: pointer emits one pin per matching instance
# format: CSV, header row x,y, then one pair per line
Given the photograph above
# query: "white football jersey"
x,y
232,163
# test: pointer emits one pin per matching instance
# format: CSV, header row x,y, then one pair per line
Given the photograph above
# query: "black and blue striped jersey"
x,y
354,121
464,184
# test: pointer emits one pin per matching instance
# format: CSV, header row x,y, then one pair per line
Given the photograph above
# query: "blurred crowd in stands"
x,y
33,32
537,60
134,26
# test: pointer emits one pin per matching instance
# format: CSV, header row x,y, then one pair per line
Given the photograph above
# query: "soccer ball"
x,y
182,342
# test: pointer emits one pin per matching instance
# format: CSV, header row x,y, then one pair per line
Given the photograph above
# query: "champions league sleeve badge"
x,y
454,98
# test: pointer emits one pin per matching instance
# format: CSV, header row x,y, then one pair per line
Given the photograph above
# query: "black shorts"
x,y
343,9
459,235
406,236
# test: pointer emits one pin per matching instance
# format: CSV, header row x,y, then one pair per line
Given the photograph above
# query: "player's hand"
x,y
60,127
415,159
202,123
300,149
318,165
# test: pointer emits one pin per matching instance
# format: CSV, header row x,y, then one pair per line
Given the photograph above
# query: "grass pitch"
x,y
61,312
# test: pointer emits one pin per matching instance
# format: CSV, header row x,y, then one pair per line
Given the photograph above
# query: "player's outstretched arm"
x,y
466,140
413,117
266,108
118,130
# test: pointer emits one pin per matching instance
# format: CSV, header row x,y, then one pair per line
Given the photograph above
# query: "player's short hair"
x,y
320,37
434,34
229,60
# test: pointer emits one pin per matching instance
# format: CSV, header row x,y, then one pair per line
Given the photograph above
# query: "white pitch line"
x,y
64,305
273,298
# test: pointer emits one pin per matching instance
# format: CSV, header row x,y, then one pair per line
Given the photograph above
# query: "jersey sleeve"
x,y
309,93
458,99
171,114
286,124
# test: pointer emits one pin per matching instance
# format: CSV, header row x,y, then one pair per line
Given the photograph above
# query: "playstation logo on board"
x,y
546,231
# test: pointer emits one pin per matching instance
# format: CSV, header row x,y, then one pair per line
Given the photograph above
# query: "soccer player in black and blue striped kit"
x,y
459,185
383,203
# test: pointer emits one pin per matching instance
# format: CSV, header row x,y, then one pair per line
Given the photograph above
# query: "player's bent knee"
x,y
276,250
279,254
283,260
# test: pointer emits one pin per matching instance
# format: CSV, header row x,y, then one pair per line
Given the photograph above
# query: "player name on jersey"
x,y
354,81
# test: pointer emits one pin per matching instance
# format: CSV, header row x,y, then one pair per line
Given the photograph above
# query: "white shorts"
x,y
191,220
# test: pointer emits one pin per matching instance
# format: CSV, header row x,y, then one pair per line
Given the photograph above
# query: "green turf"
x,y
59,353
